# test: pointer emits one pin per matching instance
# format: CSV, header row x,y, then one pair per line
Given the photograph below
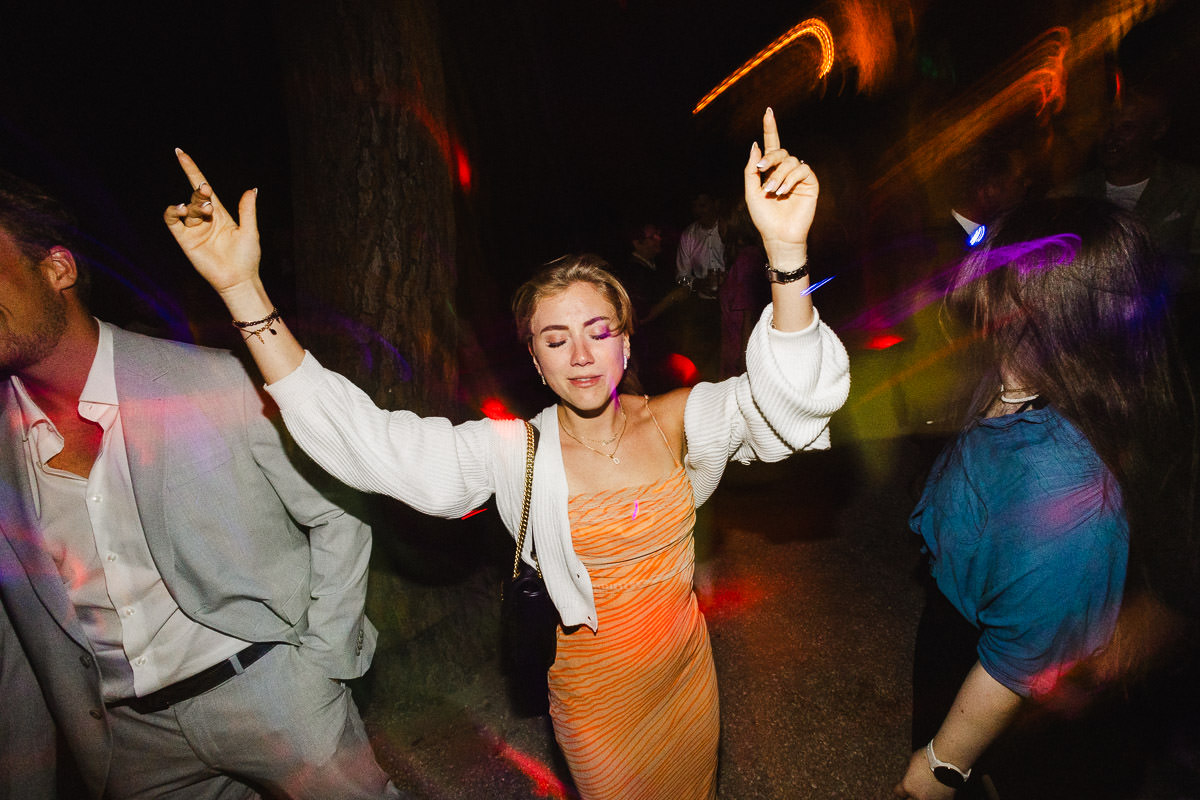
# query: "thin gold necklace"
x,y
1008,398
610,456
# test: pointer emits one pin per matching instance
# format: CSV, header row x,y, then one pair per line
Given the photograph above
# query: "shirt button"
x,y
86,660
141,660
129,612
111,556
96,713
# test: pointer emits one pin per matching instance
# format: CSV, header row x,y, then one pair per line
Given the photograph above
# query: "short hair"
x,y
38,222
557,277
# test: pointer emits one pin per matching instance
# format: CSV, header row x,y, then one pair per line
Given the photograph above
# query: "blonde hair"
x,y
557,277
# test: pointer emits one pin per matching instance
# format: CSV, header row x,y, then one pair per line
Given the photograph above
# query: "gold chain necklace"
x,y
610,456
1007,397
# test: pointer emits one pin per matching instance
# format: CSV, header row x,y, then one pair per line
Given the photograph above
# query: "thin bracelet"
x,y
274,315
266,324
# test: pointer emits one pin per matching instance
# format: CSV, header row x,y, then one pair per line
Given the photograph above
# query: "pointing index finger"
x,y
194,175
197,181
770,132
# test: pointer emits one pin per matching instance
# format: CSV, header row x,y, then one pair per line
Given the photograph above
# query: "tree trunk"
x,y
373,195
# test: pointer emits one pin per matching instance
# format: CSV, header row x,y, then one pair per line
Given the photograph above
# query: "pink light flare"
x,y
494,408
883,341
463,165
1051,251
545,782
683,369
731,598
814,27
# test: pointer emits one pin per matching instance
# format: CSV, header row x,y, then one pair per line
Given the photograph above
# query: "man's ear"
x,y
60,267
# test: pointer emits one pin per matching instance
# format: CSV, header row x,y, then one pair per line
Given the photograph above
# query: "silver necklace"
x,y
610,456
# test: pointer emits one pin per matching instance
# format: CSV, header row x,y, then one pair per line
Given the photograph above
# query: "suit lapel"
x,y
20,530
138,367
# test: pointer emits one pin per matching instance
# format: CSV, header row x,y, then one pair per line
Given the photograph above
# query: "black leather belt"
x,y
199,683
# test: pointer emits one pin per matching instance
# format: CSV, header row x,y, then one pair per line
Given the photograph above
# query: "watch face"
x,y
948,777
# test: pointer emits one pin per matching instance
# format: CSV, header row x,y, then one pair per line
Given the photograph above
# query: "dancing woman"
x,y
617,476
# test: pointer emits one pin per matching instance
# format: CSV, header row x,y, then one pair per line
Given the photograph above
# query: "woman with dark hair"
x,y
1050,508
616,477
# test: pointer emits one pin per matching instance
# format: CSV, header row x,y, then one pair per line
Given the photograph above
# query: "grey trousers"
x,y
279,729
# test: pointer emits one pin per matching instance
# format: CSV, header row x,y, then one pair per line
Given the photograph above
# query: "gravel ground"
x,y
812,604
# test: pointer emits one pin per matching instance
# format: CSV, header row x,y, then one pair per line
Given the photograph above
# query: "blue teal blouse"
x,y
1027,538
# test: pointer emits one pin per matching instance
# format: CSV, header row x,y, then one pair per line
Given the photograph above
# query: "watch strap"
x,y
779,276
946,773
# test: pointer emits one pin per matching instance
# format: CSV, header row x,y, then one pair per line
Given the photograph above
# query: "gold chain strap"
x,y
529,451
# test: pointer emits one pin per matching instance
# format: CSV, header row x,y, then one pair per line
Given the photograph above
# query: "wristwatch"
x,y
778,276
946,773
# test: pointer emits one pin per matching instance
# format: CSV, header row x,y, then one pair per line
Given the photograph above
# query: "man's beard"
x,y
20,351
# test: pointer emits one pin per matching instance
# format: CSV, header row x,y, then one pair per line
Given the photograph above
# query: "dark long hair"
x,y
1071,296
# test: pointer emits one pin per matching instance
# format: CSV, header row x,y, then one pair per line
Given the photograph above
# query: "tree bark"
x,y
373,195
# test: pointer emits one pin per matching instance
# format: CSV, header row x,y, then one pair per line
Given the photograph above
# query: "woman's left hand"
x,y
919,783
781,191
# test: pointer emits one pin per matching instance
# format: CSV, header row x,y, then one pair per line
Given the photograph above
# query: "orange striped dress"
x,y
635,705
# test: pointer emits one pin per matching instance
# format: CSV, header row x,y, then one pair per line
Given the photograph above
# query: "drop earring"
x,y
626,364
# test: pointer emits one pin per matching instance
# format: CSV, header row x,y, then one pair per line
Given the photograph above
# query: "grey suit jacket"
x,y
246,543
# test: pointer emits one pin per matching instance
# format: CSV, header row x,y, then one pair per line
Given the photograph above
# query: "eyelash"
x,y
599,337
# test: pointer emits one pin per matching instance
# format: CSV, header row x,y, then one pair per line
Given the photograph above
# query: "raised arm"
x,y
781,193
226,254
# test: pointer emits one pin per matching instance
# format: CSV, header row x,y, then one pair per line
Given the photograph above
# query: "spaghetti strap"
x,y
666,441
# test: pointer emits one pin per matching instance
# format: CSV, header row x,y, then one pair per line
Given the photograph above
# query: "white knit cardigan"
x,y
793,383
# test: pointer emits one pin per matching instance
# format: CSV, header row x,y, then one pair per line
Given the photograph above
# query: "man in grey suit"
x,y
179,604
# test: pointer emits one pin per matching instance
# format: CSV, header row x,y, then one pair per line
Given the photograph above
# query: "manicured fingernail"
x,y
177,151
762,164
182,207
256,191
770,111
771,185
207,205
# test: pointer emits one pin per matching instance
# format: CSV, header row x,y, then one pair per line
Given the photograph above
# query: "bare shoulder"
x,y
668,408
668,413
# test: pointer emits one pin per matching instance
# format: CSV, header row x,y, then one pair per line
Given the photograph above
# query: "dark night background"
x,y
574,117
575,120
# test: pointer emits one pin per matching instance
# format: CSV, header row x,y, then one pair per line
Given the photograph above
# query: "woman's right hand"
x,y
225,253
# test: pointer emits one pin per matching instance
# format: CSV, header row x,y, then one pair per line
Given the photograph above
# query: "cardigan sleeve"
x,y
429,463
793,383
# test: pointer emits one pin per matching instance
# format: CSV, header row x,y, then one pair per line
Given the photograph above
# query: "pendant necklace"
x,y
615,437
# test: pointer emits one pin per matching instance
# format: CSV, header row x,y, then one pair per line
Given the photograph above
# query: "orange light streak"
x,y
814,27
1034,78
